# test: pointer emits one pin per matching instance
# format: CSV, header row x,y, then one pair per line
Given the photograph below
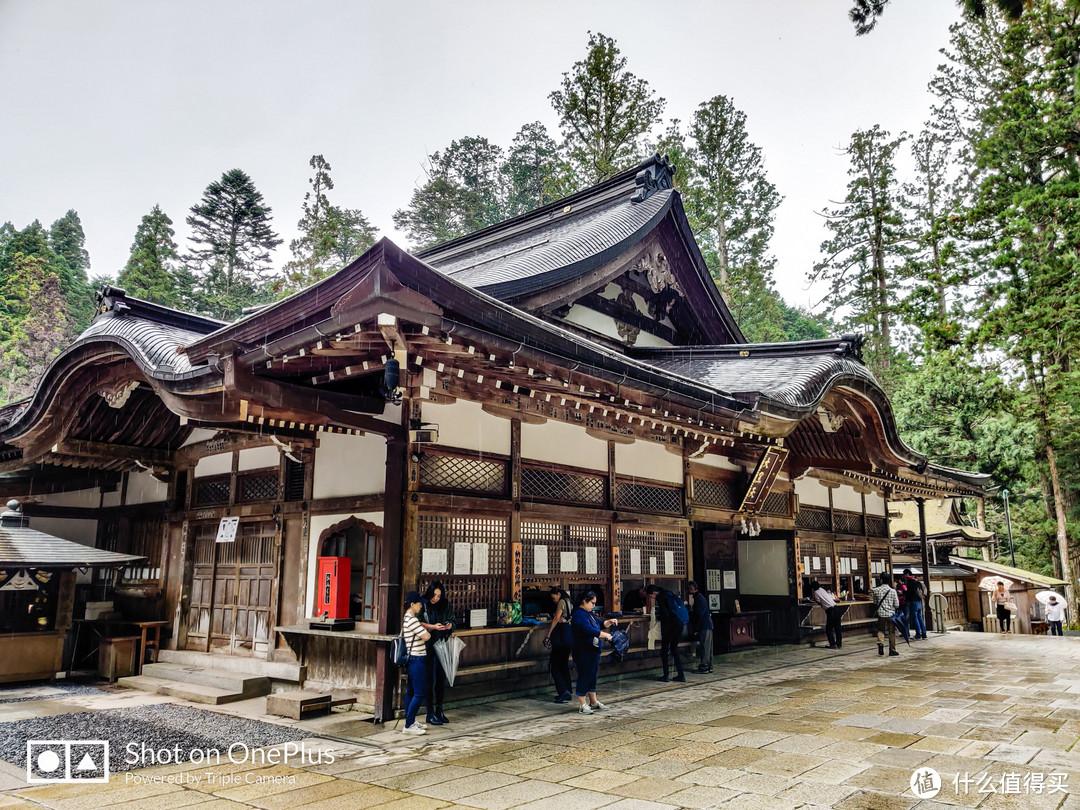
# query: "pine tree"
x,y
531,170
313,250
150,272
351,234
604,111
864,256
231,240
68,242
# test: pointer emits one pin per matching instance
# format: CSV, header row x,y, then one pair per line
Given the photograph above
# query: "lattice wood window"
x,y
815,518
648,497
487,476
472,591
847,522
877,526
776,503
147,535
546,484
651,545
720,494
257,486
562,538
294,480
818,552
212,491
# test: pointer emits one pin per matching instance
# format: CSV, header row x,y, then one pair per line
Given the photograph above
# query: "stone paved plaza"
x,y
812,730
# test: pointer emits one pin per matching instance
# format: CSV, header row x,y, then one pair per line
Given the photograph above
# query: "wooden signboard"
x,y
764,476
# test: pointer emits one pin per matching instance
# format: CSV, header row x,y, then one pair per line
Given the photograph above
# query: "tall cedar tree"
x,y
863,258
68,242
231,241
604,111
36,324
732,205
151,269
531,170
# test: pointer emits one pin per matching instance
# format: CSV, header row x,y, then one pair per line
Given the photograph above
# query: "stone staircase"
x,y
214,679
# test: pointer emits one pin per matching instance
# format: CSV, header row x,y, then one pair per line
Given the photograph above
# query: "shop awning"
x,y
23,547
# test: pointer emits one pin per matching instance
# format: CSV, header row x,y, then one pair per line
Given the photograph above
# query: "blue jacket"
x,y
586,628
700,615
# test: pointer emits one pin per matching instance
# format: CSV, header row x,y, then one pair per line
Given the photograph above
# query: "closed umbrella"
x,y
448,651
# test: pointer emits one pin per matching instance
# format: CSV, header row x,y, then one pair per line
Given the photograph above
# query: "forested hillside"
x,y
955,249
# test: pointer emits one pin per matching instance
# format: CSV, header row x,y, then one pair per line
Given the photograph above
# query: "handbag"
x,y
399,650
562,636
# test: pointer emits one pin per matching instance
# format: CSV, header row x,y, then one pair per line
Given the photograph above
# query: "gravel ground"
x,y
157,727
19,694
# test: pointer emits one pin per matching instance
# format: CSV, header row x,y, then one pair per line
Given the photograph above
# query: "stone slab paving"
x,y
794,729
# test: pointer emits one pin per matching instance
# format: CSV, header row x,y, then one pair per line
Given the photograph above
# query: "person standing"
x,y
916,594
702,627
1055,615
438,619
588,632
672,613
415,636
886,603
560,640
833,613
1001,599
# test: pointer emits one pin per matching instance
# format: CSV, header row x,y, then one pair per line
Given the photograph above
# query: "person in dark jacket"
x,y
915,592
559,640
671,629
702,627
588,632
437,618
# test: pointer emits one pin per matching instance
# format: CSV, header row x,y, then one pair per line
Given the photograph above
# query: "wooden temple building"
x,y
561,398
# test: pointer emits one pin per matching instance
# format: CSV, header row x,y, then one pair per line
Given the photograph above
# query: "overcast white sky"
x,y
111,107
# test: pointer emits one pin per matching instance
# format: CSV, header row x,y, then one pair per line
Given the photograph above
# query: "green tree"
x,y
604,111
231,238
151,269
68,242
864,14
313,251
352,234
863,258
35,324
533,170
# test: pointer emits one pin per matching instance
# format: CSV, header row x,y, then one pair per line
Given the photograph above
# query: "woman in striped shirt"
x,y
415,636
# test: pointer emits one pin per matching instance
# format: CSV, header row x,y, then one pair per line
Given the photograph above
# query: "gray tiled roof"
x,y
533,257
156,343
30,548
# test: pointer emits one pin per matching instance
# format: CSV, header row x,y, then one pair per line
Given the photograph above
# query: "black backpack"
x,y
675,607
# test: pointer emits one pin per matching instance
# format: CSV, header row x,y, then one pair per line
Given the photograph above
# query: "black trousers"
x,y
559,665
1004,617
832,626
669,643
436,683
1055,628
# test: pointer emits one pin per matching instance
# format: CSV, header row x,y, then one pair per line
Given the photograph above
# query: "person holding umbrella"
x,y
438,619
1055,610
1002,599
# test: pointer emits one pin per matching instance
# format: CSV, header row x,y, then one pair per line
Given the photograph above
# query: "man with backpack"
x,y
916,595
702,628
885,603
673,616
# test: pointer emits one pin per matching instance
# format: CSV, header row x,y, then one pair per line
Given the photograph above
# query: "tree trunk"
x,y
1062,536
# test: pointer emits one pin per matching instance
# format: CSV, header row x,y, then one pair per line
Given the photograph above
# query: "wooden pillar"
x,y
921,503
515,582
389,600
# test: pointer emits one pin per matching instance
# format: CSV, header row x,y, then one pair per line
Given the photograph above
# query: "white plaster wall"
x,y
605,325
144,488
719,462
76,530
111,498
563,443
349,465
256,458
199,435
875,504
648,459
220,464
85,498
319,524
811,492
465,424
844,497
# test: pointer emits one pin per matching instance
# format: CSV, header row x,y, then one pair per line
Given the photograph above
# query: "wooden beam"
x,y
149,456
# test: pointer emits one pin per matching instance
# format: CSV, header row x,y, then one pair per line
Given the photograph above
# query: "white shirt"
x,y
824,598
1055,613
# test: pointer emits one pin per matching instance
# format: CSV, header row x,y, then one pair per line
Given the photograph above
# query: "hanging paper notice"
x,y
828,565
478,618
817,563
729,581
806,565
713,579
652,566
480,559
669,563
635,561
462,559
590,560
540,567
854,564
433,561
226,532
568,562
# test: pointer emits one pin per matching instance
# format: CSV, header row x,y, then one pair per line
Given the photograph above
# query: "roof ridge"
x,y
115,300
